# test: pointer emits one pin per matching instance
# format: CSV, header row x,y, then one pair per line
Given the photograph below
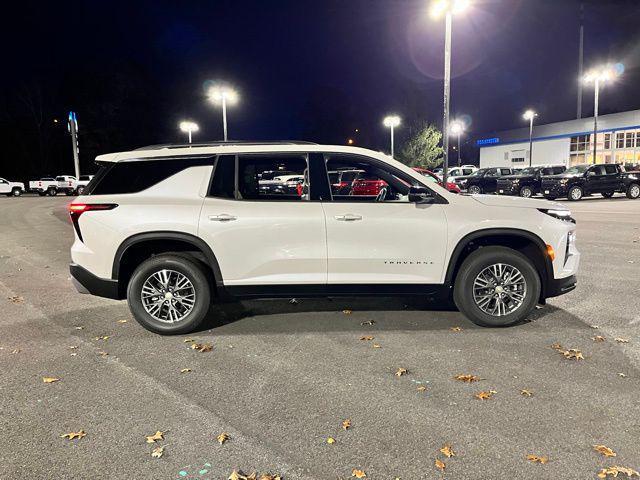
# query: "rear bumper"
x,y
87,282
560,286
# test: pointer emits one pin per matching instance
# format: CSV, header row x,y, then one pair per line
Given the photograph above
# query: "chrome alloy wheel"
x,y
499,289
634,191
168,296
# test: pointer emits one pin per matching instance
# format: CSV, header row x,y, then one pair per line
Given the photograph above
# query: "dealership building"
x,y
566,143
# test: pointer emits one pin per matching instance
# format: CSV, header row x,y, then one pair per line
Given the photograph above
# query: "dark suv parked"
x,y
484,180
527,182
581,180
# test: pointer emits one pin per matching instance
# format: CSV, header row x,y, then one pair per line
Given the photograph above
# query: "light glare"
x,y
218,93
456,128
605,73
391,121
441,7
189,127
529,114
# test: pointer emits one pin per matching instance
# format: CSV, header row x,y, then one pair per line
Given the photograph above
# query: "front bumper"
x,y
560,286
508,188
87,282
554,190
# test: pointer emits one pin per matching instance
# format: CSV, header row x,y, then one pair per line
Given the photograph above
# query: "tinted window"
x,y
131,177
597,170
257,177
610,169
223,181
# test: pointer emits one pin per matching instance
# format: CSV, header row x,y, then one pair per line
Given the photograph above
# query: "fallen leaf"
x,y
294,301
358,473
123,321
440,465
622,375
526,393
456,329
572,353
202,347
447,450
235,475
79,328
367,322
15,350
188,340
366,338
537,459
103,337
466,378
223,437
72,435
622,340
103,354
50,379
346,312
598,338
604,450
16,299
595,326
73,347
346,424
185,370
73,354
155,437
331,440
377,345
401,371
421,388
556,346
268,476
485,395
615,471
158,452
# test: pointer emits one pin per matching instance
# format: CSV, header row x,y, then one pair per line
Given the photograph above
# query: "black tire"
x,y
475,263
80,190
575,193
607,194
52,192
16,192
187,267
633,191
527,192
68,193
474,190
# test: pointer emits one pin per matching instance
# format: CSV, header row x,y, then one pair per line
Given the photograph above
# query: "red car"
x,y
431,177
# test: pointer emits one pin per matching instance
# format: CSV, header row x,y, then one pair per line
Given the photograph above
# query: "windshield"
x,y
527,171
577,169
478,173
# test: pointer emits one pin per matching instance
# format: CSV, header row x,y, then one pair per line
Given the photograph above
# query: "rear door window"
x,y
273,177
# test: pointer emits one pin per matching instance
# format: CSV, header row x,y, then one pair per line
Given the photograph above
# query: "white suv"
x,y
174,229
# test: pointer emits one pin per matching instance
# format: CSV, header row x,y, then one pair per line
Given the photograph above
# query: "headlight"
x,y
516,180
564,215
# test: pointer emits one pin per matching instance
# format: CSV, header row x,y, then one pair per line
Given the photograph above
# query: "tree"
x,y
423,148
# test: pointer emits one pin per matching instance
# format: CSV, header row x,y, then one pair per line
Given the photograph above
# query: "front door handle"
x,y
223,217
348,217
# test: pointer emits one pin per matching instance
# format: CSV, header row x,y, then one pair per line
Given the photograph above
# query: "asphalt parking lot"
x,y
281,378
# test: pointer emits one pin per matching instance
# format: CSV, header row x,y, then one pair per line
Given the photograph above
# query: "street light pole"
x,y
189,128
596,97
598,77
447,89
224,114
223,95
456,128
530,115
391,141
391,121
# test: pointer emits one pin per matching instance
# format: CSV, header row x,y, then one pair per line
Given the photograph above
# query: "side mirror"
x,y
420,195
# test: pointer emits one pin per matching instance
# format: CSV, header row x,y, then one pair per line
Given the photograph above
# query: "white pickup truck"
x,y
82,183
11,189
44,186
67,184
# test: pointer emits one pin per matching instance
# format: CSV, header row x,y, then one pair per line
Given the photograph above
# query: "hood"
x,y
562,175
518,202
516,177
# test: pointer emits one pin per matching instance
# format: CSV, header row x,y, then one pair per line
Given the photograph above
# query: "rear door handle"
x,y
348,217
223,217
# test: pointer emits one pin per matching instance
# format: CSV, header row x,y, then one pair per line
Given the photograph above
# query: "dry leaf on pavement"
x,y
604,450
598,338
456,329
268,476
346,424
366,338
346,312
358,473
367,322
16,299
202,347
377,345
447,450
622,340
623,375
185,370
223,437
188,340
466,378
440,465
331,440
421,388
103,337
572,353
556,346
158,451
72,435
155,437
615,471
537,459
15,350
526,393
123,321
401,371
50,379
485,395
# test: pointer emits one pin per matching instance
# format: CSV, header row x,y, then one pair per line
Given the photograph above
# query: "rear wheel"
x,y
80,190
633,191
475,190
52,191
575,193
607,194
496,287
16,192
169,294
526,192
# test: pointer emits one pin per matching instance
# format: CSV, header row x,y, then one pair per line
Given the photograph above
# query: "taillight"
x,y
77,209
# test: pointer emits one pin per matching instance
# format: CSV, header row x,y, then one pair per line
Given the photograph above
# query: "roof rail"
x,y
223,142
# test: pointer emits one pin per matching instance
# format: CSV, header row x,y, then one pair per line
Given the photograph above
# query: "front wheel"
x,y
16,192
633,191
526,192
169,294
475,190
496,287
607,194
575,193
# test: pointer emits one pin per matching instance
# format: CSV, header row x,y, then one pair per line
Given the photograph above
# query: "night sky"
x,y
313,70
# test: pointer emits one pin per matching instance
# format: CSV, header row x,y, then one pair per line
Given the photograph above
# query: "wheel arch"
x,y
141,246
523,241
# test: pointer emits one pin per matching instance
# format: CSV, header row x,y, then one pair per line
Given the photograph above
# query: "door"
x,y
263,231
595,181
375,235
490,180
611,181
4,186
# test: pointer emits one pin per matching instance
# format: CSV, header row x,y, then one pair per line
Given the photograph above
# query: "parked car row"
x,y
554,181
66,184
